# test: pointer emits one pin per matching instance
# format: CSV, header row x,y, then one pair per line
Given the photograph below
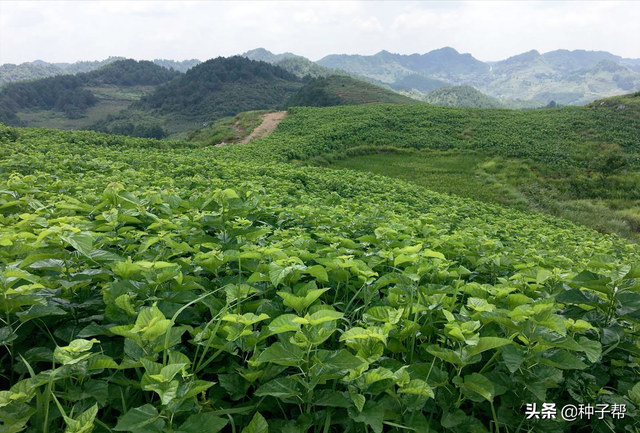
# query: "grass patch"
x,y
609,204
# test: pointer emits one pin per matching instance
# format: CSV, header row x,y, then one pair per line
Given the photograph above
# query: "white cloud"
x,y
89,30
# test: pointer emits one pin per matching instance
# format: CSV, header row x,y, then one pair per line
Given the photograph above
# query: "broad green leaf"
x,y
372,414
137,418
283,323
323,316
84,422
299,303
487,343
475,385
513,357
591,348
281,387
257,425
563,360
318,272
83,242
417,387
282,354
203,422
338,359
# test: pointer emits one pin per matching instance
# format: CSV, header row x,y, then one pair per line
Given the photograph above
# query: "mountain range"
x,y
529,79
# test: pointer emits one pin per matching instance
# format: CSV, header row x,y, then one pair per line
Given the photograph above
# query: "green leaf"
x,y
283,323
257,425
282,354
318,272
592,281
591,348
487,343
513,356
475,385
372,414
203,422
338,359
281,387
7,335
83,242
564,361
299,303
137,418
84,422
417,387
37,311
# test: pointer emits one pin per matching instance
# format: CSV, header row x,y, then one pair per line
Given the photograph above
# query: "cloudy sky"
x,y
86,30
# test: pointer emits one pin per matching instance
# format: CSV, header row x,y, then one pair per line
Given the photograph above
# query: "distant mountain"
x,y
383,66
461,96
525,80
531,76
72,95
388,67
297,65
262,55
341,90
10,73
567,61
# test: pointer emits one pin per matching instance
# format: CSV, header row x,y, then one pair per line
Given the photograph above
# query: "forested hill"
x,y
223,87
70,93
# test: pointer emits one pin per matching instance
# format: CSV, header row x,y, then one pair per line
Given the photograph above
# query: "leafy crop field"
x,y
158,286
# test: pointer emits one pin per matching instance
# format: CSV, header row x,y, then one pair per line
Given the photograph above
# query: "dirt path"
x,y
269,123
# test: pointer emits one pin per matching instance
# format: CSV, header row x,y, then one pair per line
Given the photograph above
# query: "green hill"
x,y
461,96
341,90
212,90
73,95
157,285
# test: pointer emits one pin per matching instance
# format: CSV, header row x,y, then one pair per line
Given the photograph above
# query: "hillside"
x,y
159,286
461,96
340,90
73,95
578,163
212,90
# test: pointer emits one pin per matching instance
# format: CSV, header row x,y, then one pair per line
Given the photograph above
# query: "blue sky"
x,y
87,30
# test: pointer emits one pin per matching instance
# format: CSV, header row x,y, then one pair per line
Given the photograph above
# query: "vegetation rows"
x,y
154,286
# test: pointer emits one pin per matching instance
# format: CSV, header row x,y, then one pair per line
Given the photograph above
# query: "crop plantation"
x,y
166,286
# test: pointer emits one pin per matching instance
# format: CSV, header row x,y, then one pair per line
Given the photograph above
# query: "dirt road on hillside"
x,y
269,123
